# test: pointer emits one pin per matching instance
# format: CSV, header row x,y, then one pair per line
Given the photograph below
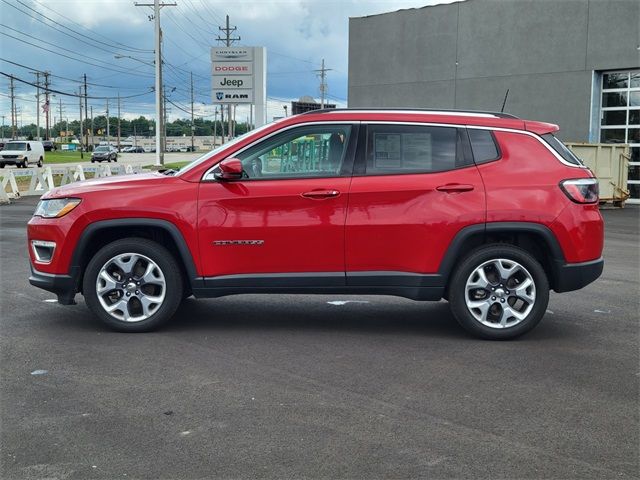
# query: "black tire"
x,y
1,165
93,161
25,163
165,262
40,162
463,271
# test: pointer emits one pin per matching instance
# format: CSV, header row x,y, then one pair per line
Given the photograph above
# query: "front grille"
x,y
10,156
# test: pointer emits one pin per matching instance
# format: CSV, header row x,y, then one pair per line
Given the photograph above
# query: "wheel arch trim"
x,y
93,228
455,249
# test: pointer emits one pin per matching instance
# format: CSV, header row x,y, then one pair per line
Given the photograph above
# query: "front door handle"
x,y
454,188
320,194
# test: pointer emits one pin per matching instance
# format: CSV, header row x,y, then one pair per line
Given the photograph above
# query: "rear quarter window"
x,y
483,145
561,149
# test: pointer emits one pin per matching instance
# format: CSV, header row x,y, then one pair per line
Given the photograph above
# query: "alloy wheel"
x,y
500,293
130,287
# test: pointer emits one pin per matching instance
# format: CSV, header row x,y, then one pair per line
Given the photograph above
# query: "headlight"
x,y
56,207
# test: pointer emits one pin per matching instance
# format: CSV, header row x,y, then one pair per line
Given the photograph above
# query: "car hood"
x,y
116,182
13,152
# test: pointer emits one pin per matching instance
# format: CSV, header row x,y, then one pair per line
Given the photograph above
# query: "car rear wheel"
x,y
499,292
133,285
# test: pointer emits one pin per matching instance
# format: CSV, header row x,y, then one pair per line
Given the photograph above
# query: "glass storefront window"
x,y
614,99
612,135
620,119
615,80
614,117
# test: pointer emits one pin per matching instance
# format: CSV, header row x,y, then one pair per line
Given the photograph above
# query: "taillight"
x,y
581,190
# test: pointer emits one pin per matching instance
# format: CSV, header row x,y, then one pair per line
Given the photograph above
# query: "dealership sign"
x,y
238,76
233,81
233,96
232,68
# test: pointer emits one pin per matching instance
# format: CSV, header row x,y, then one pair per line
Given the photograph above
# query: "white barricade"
x,y
41,179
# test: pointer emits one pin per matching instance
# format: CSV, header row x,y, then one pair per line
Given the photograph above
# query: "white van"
x,y
22,153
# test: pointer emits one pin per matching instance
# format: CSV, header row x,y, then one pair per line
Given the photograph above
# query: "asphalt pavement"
x,y
311,387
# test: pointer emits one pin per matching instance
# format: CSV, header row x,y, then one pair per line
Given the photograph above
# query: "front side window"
x,y
309,151
412,149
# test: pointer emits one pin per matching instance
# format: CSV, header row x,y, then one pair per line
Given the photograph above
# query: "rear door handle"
x,y
320,194
454,188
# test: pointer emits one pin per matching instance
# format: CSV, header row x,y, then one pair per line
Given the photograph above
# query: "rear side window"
x,y
562,149
483,145
412,149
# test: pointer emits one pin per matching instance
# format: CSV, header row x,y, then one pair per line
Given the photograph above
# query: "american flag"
x,y
45,107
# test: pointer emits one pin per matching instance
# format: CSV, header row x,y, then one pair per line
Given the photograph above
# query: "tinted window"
x,y
411,149
15,146
483,145
313,151
561,149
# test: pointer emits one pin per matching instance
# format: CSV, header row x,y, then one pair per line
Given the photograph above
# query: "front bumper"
x,y
64,286
573,276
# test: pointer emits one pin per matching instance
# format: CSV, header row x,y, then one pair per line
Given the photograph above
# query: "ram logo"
x,y
219,95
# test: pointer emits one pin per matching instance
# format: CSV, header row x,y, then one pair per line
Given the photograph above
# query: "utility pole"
x,y
228,41
108,138
13,109
322,73
2,127
164,121
86,113
215,126
158,64
37,74
118,121
193,127
46,104
92,125
81,121
60,112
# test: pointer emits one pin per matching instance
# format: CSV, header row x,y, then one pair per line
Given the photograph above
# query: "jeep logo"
x,y
231,83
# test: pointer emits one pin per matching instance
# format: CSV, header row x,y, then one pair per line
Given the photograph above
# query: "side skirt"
x,y
401,284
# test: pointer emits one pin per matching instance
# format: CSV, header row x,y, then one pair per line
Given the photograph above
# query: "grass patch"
x,y
174,166
65,157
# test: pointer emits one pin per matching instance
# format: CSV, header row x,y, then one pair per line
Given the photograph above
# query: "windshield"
x,y
209,154
15,146
102,149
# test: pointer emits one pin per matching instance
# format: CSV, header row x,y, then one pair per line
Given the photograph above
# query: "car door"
x,y
283,222
414,187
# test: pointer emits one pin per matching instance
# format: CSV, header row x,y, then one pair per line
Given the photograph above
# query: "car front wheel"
x,y
499,292
133,285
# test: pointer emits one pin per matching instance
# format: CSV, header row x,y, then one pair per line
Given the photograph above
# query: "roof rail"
x,y
416,110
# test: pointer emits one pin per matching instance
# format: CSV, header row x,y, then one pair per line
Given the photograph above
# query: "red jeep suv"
x,y
483,209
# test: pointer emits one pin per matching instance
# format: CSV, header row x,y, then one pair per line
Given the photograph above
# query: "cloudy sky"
x,y
70,38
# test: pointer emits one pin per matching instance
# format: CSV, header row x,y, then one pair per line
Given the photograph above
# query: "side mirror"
x,y
229,169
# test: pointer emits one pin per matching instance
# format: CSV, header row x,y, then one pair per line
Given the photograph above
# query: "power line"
x,y
66,78
51,90
93,32
125,72
59,29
